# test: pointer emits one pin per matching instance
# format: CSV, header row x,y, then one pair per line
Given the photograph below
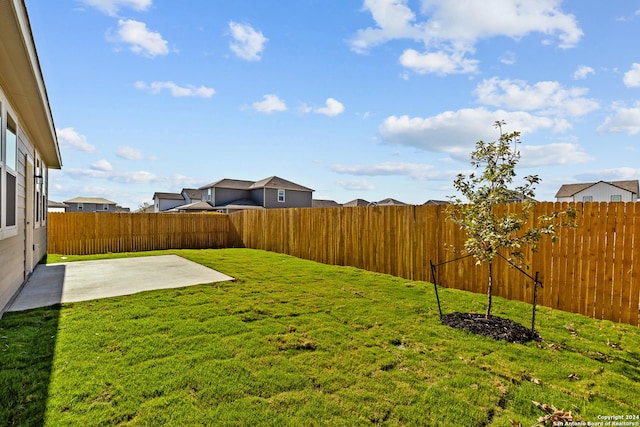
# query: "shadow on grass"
x,y
27,348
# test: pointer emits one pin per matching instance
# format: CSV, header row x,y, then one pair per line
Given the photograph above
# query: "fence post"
x,y
435,286
535,297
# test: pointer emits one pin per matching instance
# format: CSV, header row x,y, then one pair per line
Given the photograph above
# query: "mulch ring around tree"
x,y
494,327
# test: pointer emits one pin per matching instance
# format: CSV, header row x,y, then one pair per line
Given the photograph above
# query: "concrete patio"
x,y
88,280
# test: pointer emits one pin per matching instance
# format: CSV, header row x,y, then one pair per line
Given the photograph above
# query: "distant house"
x,y
601,191
388,202
166,201
199,206
90,204
319,203
28,149
357,202
56,206
384,202
436,202
230,195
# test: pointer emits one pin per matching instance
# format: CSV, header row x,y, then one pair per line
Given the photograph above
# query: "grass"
x,y
293,342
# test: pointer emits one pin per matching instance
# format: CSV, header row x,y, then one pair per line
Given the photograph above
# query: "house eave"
x,y
23,83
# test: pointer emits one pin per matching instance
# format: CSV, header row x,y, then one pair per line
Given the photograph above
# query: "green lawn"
x,y
293,342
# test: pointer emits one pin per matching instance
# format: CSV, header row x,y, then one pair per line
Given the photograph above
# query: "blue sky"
x,y
352,98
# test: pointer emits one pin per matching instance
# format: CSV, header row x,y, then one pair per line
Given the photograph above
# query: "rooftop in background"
x,y
95,200
568,190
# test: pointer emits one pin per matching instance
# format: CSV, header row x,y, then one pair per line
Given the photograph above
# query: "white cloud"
x,y
414,170
451,29
332,108
614,174
270,104
509,58
176,90
456,132
624,120
69,138
394,20
130,153
141,40
247,43
102,165
545,97
632,77
111,7
125,177
582,72
561,153
437,62
356,185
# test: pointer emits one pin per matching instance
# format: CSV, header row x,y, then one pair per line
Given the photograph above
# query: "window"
x,y
45,183
37,207
80,206
587,198
10,162
281,196
11,143
10,218
105,207
616,197
209,198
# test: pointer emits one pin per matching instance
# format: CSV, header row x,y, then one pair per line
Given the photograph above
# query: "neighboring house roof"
x,y
193,207
279,183
235,184
357,202
52,204
96,200
318,203
23,82
168,196
389,202
239,202
518,197
271,182
568,190
436,202
191,193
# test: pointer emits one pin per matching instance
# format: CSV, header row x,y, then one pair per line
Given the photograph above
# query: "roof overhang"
x,y
22,81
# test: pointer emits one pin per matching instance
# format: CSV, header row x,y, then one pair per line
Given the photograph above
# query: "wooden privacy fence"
x,y
592,269
95,233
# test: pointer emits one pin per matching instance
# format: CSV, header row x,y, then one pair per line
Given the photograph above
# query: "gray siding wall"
x,y
258,196
166,204
292,199
90,207
224,196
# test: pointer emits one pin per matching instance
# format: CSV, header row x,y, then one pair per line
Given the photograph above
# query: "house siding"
x,y
565,199
13,251
23,97
602,192
225,196
292,199
90,207
257,196
166,204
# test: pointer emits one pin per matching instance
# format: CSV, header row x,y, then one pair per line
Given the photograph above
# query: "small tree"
x,y
488,232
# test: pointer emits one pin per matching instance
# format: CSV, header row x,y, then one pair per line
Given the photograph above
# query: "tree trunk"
x,y
489,290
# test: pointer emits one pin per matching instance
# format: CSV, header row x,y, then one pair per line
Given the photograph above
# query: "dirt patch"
x,y
494,327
